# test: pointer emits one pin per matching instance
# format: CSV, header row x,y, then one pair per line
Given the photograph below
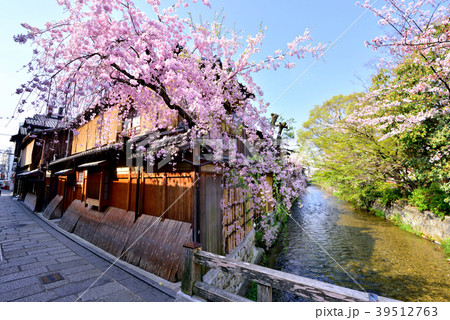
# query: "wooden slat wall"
x,y
103,129
157,246
79,139
72,215
98,132
118,194
53,210
69,190
149,120
109,125
69,197
150,243
249,214
27,154
92,133
211,235
61,185
88,223
180,197
168,193
79,192
30,201
113,231
153,201
135,245
237,218
269,206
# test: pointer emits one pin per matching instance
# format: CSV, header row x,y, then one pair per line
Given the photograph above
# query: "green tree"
x,y
364,160
422,137
348,157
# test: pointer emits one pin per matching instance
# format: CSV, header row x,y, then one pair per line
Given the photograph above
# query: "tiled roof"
x,y
40,120
91,152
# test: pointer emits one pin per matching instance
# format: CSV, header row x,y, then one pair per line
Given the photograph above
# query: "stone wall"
x,y
428,223
245,251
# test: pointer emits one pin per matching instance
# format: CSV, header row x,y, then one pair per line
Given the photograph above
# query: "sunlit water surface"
x,y
379,256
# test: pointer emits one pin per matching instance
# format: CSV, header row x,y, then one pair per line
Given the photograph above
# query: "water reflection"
x,y
379,256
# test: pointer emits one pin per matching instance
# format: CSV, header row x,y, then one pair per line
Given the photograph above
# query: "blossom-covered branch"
x,y
419,38
110,53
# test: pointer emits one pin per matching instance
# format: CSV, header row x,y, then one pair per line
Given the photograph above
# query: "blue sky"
x,y
344,69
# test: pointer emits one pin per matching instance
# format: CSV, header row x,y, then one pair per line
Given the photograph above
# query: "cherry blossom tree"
x,y
109,52
419,34
408,102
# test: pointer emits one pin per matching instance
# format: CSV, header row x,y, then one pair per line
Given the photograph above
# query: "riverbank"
x,y
425,224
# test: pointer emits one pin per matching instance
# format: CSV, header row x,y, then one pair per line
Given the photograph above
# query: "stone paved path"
x,y
33,255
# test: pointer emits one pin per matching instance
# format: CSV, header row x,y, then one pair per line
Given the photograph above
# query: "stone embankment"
x,y
426,222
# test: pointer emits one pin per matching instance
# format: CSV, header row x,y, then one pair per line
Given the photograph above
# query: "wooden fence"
x,y
266,278
238,215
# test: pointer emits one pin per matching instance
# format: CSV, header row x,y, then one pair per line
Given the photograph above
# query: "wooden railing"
x,y
266,279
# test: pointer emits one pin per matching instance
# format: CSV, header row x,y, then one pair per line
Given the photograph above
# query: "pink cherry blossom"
x,y
110,53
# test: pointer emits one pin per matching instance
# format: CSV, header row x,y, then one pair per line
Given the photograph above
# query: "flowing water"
x,y
379,256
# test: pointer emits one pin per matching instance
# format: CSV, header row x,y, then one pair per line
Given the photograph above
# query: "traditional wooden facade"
x,y
90,182
38,142
109,203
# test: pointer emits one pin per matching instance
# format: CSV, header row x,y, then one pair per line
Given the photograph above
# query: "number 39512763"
x,y
406,311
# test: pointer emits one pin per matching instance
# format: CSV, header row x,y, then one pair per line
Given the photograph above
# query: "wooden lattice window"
x,y
80,177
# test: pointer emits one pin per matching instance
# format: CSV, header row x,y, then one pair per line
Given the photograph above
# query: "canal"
x,y
332,242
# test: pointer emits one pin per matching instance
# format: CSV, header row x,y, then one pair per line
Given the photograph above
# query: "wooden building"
x,y
40,140
140,213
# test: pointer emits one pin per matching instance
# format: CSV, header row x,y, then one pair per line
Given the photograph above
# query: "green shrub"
x,y
252,291
259,239
446,247
396,219
379,213
419,198
409,228
432,198
389,195
362,196
280,214
367,195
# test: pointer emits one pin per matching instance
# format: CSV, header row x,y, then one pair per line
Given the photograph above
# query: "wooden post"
x,y
129,188
100,191
136,211
161,184
65,193
196,222
164,195
264,293
192,272
141,192
84,191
